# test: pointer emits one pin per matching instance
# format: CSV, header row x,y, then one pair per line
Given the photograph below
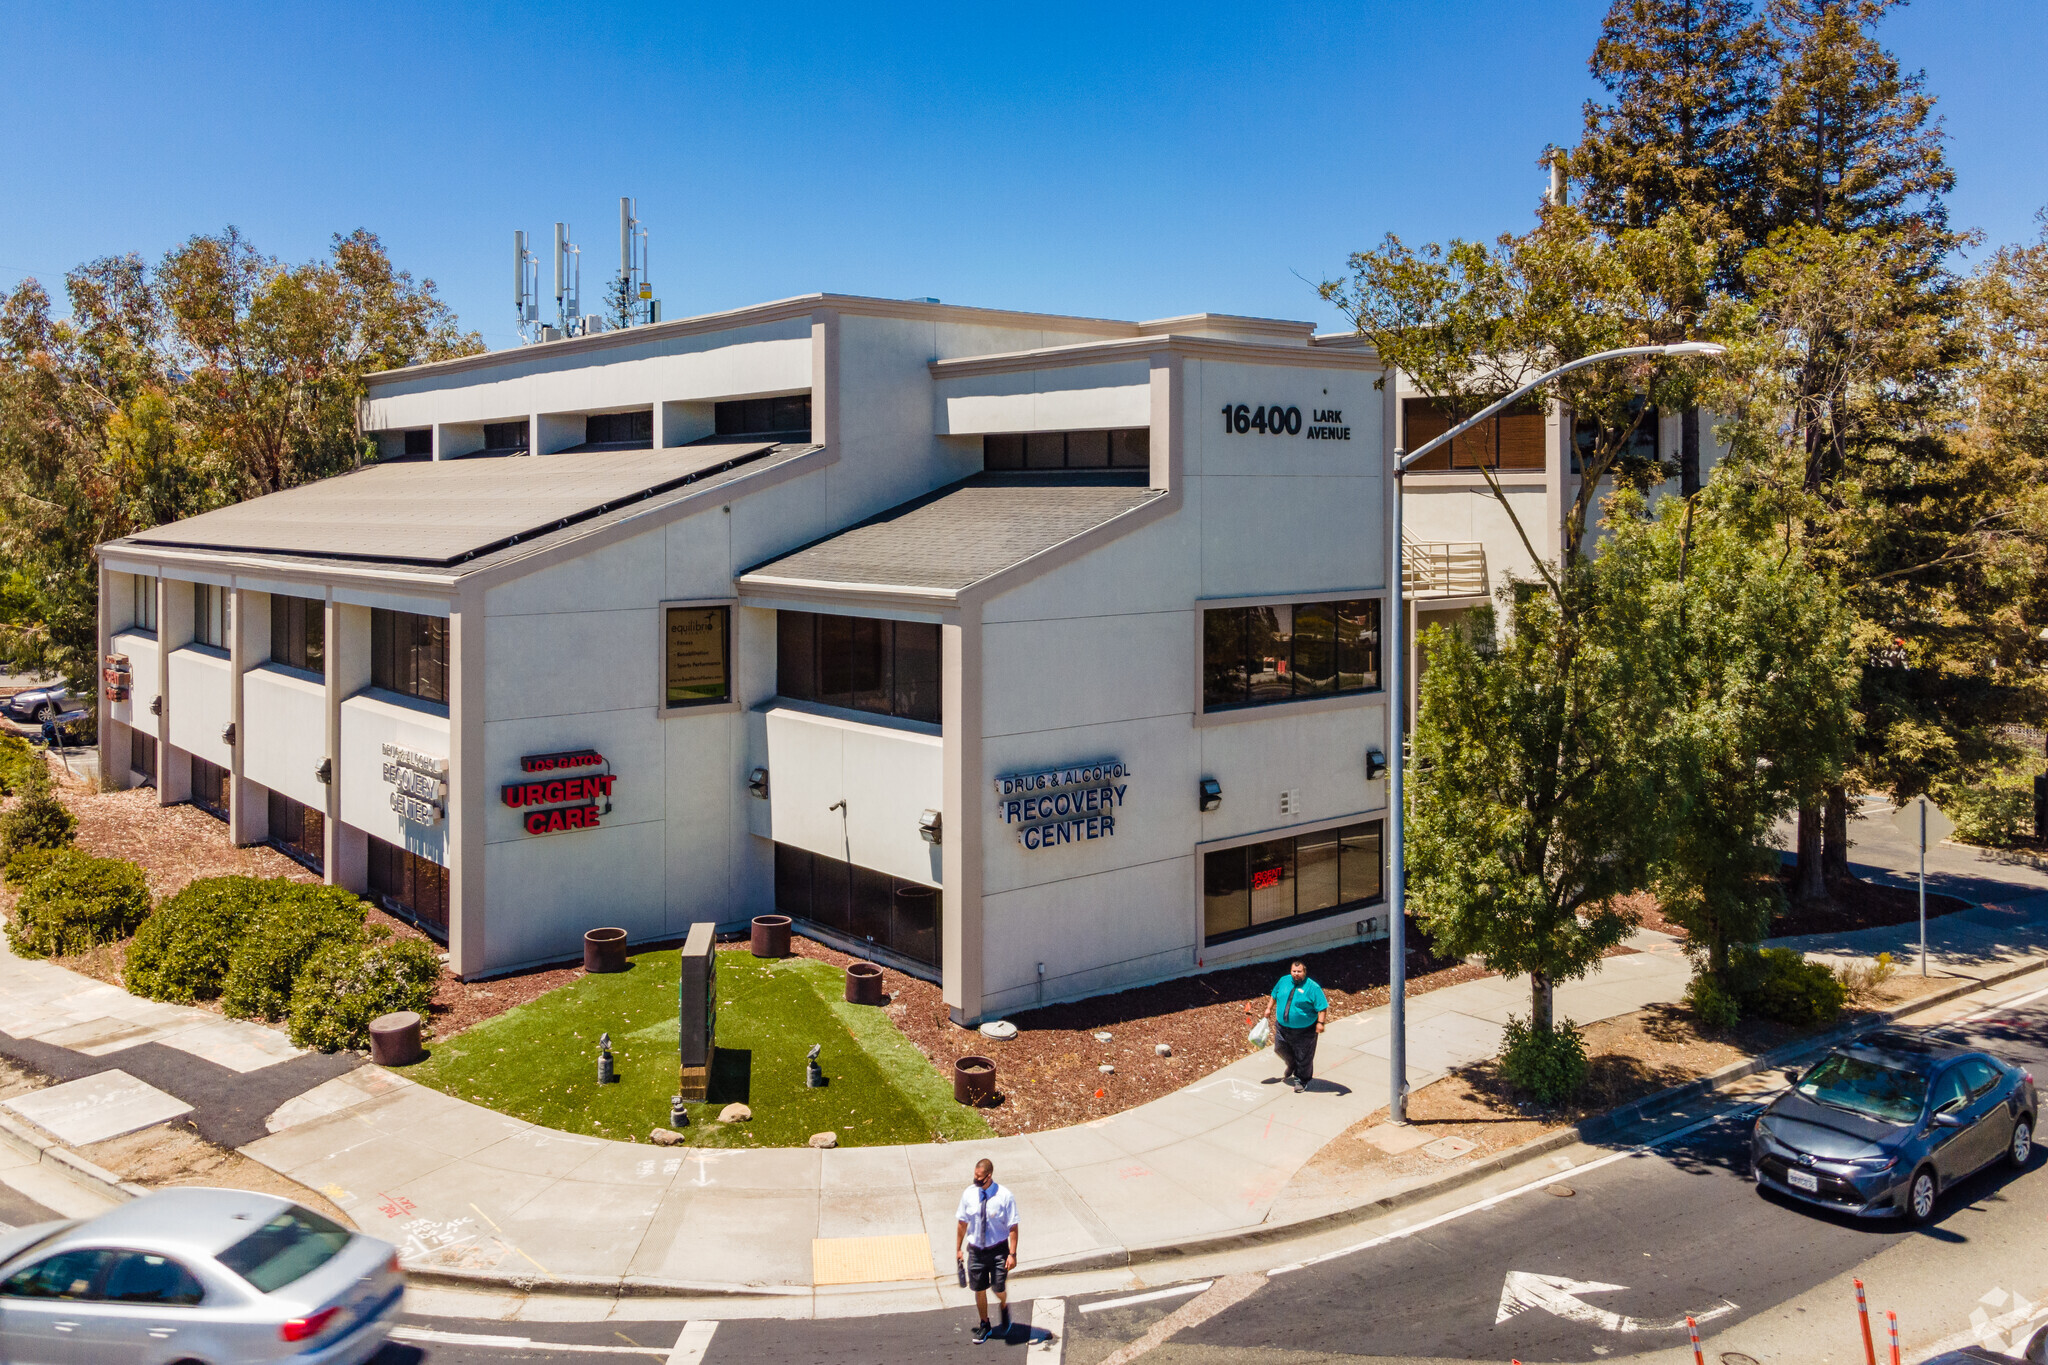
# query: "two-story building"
x,y
1039,655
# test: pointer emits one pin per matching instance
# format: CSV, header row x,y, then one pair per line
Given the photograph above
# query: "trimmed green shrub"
x,y
345,985
76,901
181,951
1550,1066
285,931
40,820
1712,1003
17,757
25,864
1780,984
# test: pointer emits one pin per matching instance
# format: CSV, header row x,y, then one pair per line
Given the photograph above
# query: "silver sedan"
x,y
214,1276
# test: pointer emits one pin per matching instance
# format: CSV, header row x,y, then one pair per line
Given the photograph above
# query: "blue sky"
x,y
1130,161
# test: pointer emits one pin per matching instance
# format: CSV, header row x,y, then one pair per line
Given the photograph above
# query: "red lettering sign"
x,y
550,763
1265,877
561,818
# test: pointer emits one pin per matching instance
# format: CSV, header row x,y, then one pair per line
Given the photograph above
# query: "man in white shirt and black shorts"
x,y
985,1245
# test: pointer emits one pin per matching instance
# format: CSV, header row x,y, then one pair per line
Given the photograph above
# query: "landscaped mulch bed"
x,y
177,845
1631,1056
1048,1074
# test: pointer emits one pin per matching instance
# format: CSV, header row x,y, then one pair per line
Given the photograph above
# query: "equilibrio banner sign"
x,y
1067,805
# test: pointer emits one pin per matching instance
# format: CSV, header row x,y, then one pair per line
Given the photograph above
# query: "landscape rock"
x,y
735,1113
824,1139
1106,1069
1102,1037
665,1137
1163,1049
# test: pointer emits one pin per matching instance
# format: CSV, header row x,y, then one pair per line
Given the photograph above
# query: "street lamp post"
x,y
1395,656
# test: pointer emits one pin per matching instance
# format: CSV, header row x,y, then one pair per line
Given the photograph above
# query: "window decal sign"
x,y
419,784
567,790
1063,805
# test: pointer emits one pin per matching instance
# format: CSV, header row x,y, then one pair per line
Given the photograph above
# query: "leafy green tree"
x,y
1530,785
1756,679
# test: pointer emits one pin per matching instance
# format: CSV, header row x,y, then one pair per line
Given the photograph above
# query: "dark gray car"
x,y
1883,1124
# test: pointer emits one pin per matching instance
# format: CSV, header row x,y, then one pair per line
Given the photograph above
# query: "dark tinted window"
x,y
1979,1075
887,668
859,902
409,654
505,435
1861,1087
1257,886
298,829
1048,450
211,787
416,887
138,1277
290,1246
67,1275
1255,655
1642,447
789,415
210,615
620,428
298,632
418,443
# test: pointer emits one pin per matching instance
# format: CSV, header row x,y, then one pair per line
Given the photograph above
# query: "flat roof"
x,y
447,512
959,535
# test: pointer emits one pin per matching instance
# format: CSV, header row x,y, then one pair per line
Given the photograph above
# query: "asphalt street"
x,y
1609,1270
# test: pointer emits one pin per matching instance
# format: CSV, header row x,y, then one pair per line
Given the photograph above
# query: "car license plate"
x,y
1803,1180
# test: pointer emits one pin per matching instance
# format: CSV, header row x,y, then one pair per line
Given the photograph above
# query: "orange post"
x,y
1692,1329
1893,1319
1863,1320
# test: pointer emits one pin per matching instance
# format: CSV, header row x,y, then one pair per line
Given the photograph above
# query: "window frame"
x,y
891,680
731,701
447,661
1114,439
1302,924
1292,706
314,609
203,598
143,604
1453,470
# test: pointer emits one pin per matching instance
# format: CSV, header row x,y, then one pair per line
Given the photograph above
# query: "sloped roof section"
x,y
958,536
451,511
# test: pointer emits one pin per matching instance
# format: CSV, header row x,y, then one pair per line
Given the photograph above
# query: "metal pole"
x,y
1397,692
1923,885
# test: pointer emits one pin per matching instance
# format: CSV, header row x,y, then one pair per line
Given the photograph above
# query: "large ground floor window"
x,y
1261,886
211,788
409,885
142,754
884,910
299,830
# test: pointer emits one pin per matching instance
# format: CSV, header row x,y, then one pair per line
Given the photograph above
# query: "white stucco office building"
x,y
1039,654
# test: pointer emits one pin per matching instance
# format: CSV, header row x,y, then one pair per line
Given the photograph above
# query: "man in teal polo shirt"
x,y
1303,1009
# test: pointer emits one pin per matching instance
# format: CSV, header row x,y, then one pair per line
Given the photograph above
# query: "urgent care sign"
x,y
564,791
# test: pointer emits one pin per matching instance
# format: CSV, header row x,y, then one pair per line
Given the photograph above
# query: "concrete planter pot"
x,y
604,950
771,936
395,1039
974,1080
863,983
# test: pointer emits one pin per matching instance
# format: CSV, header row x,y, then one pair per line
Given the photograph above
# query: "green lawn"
x,y
539,1061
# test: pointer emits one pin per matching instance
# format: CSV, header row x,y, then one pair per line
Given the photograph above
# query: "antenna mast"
x,y
642,306
568,283
526,286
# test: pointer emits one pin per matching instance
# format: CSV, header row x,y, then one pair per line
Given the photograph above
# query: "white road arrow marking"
x,y
1559,1297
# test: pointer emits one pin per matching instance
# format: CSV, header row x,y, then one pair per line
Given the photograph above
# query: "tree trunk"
x,y
1689,452
1834,854
1807,882
1539,1003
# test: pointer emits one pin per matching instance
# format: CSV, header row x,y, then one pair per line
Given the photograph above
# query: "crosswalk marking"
x,y
1048,1332
693,1343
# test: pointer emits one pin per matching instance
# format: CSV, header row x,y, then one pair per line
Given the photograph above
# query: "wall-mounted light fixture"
x,y
323,771
156,705
757,784
1211,793
227,734
928,827
1375,765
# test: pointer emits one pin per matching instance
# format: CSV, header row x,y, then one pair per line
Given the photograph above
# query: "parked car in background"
x,y
35,703
1883,1124
196,1275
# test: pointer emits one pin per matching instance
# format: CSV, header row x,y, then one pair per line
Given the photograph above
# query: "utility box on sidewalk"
x,y
697,1011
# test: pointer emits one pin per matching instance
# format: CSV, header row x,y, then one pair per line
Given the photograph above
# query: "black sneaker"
x,y
1003,1327
1295,1082
982,1333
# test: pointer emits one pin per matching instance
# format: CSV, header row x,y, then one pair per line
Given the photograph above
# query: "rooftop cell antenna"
x,y
526,286
635,288
568,281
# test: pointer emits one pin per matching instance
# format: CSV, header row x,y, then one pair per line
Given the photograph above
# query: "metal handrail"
x,y
1443,568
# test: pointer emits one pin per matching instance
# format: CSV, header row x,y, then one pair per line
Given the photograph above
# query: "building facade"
x,y
1038,655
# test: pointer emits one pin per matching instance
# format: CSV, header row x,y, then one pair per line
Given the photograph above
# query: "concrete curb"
x,y
68,1163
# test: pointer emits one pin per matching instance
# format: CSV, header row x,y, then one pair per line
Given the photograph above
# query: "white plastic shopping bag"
x,y
1262,1033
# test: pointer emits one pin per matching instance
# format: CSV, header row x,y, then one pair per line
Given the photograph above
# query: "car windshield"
x,y
288,1247
1879,1092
